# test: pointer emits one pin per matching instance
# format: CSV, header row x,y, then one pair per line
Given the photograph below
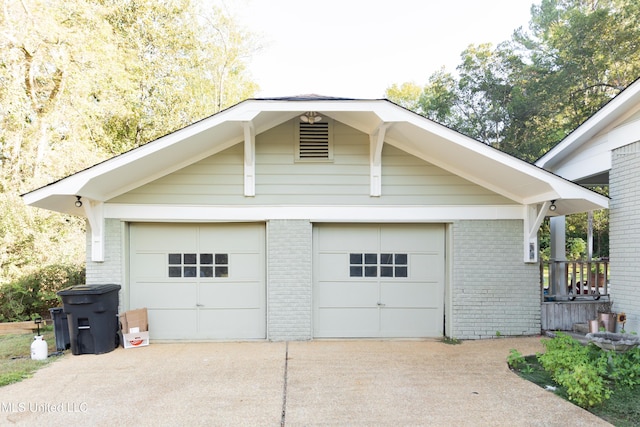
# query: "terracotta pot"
x,y
594,326
608,321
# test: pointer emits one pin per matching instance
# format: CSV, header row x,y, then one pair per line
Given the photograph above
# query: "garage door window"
x,y
363,265
378,265
198,265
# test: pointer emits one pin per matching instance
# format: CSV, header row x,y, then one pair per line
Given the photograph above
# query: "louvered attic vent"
x,y
314,142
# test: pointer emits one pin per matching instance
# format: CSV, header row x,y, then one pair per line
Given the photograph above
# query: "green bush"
x,y
587,372
582,370
563,353
34,294
518,362
515,359
625,367
585,385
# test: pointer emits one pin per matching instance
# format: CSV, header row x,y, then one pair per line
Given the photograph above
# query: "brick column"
x,y
493,290
289,280
624,233
110,270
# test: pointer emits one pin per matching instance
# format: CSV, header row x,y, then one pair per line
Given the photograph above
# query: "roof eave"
x,y
59,196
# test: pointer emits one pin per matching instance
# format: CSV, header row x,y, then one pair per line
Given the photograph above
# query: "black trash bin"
x,y
60,328
92,316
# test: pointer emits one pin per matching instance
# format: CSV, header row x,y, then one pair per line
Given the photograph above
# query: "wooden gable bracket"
x,y
95,215
249,159
376,141
533,217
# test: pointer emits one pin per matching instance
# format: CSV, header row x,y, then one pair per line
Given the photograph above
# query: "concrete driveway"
x,y
294,384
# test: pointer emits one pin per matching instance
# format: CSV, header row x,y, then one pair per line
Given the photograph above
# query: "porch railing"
x,y
574,280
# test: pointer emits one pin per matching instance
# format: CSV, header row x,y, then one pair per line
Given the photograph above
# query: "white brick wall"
x,y
624,233
109,271
289,280
493,290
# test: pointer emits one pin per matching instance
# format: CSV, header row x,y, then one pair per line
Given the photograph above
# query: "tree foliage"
x,y
524,95
185,62
83,80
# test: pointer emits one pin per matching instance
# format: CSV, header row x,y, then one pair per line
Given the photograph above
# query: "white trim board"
x,y
313,213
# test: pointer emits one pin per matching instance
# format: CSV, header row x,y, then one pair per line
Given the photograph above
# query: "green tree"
x,y
484,86
576,228
526,94
406,95
50,53
82,80
46,67
186,62
576,56
438,98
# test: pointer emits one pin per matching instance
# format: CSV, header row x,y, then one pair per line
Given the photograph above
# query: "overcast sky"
x,y
358,48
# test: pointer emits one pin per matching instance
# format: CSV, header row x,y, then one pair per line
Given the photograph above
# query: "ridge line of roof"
x,y
312,97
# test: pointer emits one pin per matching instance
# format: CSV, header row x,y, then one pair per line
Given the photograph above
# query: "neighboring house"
x,y
308,217
605,150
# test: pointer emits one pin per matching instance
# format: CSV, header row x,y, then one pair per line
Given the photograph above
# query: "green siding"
x,y
406,180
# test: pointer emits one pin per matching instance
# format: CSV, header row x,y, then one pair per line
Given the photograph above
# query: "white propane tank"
x,y
39,348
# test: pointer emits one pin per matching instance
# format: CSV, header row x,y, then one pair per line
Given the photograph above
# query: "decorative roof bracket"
x,y
533,217
376,141
95,215
249,159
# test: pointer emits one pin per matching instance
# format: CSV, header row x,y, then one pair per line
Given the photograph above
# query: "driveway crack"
x,y
284,387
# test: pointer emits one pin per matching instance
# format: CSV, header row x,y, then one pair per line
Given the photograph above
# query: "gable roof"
x,y
585,154
475,161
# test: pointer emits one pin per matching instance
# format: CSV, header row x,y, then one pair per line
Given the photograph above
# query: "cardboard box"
x,y
135,328
134,319
133,340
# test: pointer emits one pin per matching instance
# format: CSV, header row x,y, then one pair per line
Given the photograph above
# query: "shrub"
x,y
33,294
625,367
562,353
585,385
582,370
515,359
518,362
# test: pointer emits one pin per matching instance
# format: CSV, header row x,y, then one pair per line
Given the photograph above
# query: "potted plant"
x,y
606,316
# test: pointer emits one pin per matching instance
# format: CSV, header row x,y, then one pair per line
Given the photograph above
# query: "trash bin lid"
x,y
89,289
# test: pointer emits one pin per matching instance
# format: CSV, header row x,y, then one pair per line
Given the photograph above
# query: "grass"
x,y
621,410
15,356
453,341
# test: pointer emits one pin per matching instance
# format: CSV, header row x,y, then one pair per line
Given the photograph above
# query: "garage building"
x,y
317,217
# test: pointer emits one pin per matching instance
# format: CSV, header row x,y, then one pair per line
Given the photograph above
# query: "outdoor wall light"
x,y
553,206
78,202
310,117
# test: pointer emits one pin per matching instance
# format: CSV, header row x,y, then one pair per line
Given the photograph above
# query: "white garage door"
x,y
201,281
379,280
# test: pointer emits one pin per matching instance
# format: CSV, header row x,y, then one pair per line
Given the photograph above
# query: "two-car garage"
x,y
309,217
210,281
